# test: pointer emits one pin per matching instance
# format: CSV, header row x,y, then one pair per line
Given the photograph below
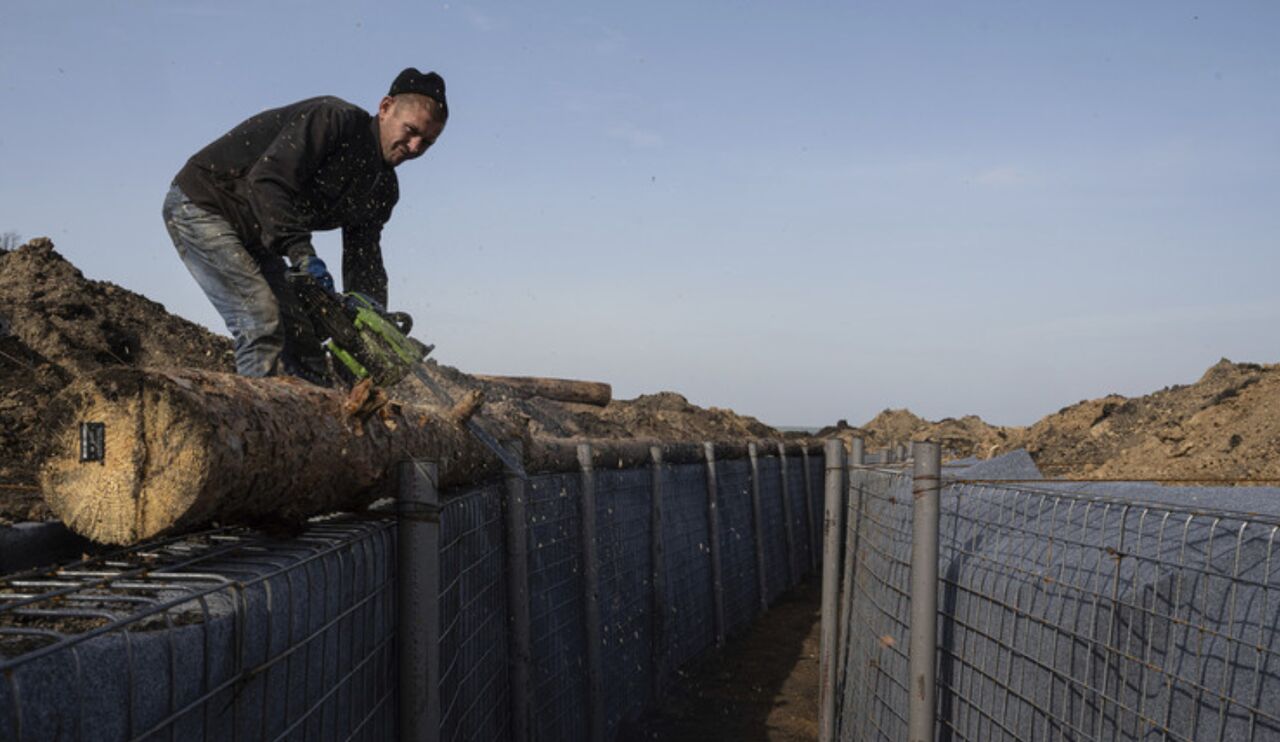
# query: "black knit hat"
x,y
429,84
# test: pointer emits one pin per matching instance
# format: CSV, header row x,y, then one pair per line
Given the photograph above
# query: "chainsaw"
x,y
369,342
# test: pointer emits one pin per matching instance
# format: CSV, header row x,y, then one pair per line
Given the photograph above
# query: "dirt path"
x,y
763,686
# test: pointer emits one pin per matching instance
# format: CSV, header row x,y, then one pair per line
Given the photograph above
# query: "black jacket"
x,y
312,165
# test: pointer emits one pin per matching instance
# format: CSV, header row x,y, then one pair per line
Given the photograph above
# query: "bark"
x,y
186,447
564,390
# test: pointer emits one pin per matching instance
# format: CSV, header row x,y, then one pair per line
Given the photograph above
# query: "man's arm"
x,y
280,173
362,268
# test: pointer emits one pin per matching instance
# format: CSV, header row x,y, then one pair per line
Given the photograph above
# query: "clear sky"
x,y
802,211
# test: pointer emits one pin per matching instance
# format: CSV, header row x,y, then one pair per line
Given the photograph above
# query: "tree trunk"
x,y
186,447
564,390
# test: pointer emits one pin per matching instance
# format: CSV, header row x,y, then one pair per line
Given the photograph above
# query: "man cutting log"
x,y
250,200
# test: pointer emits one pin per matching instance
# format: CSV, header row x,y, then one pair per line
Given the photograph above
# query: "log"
x,y
186,447
595,393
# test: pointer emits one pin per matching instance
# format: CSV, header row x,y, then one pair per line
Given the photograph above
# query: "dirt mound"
x,y
55,324
83,325
966,436
1226,425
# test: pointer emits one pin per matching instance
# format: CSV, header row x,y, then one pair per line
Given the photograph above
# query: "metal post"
x,y
922,650
591,595
831,513
658,608
762,577
793,575
520,646
857,452
713,527
844,603
808,509
418,600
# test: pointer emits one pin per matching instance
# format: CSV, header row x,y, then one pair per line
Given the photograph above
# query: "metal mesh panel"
x,y
1072,611
737,543
800,516
690,625
232,635
623,528
221,635
556,606
816,497
777,569
473,608
874,660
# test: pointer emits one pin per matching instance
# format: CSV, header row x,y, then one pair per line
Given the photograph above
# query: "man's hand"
x,y
315,267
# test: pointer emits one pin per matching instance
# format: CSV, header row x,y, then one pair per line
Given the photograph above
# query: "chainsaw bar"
x,y
513,464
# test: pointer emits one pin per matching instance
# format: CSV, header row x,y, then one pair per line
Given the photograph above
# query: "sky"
x,y
803,211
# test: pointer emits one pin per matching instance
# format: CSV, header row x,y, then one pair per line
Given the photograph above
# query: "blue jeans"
x,y
248,289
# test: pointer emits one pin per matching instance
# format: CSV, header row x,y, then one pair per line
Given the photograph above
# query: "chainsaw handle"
x,y
402,321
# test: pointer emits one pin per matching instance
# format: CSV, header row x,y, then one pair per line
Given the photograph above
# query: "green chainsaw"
x,y
368,341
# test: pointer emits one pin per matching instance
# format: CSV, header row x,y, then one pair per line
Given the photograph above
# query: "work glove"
x,y
315,267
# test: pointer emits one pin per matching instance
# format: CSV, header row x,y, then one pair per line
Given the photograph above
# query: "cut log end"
x,y
143,482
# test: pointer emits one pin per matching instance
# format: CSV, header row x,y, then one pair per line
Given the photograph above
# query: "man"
x,y
248,201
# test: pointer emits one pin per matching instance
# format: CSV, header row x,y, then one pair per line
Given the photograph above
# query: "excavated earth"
x,y
55,325
1225,426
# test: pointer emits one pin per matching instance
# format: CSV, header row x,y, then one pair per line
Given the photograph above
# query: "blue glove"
x,y
318,270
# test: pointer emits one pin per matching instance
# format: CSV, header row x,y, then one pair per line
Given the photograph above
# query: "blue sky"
x,y
802,211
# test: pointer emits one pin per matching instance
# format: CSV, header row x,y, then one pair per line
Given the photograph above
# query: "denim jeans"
x,y
248,289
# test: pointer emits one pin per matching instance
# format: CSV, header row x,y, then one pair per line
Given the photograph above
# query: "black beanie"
x,y
429,84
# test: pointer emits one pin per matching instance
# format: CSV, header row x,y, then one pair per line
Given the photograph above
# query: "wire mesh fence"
x,y
473,609
1116,611
222,635
737,544
233,635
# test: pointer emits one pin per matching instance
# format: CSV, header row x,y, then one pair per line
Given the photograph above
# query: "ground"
x,y
762,686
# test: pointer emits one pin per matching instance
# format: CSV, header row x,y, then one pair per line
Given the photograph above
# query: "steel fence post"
x,y
658,607
857,452
844,602
520,644
713,526
591,595
922,651
418,600
831,513
757,515
793,571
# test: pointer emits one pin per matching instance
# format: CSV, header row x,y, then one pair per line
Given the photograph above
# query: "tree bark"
x,y
186,447
564,390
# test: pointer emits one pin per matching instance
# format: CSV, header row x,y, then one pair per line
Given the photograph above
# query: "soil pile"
x,y
55,324
966,436
1226,425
